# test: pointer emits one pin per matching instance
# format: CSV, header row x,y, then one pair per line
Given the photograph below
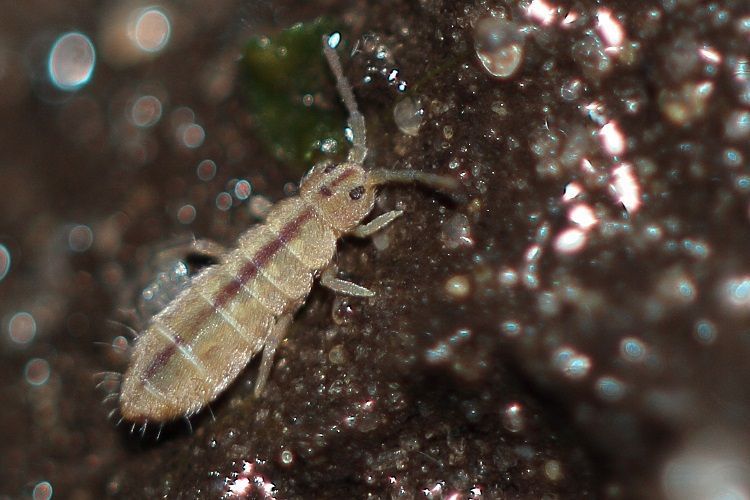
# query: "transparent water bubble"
x,y
687,103
242,189
22,327
589,53
456,232
186,214
206,170
458,287
570,241
80,238
735,293
42,491
37,372
146,111
408,114
571,90
513,417
705,332
610,388
4,261
571,363
71,61
170,279
150,29
499,46
334,39
287,457
191,135
737,125
223,201
553,470
632,349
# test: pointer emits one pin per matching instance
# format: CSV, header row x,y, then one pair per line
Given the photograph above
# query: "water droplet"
x,y
80,238
570,241
287,457
22,328
37,372
334,39
170,279
458,287
511,329
242,189
224,201
438,354
590,55
705,332
571,90
625,187
571,363
206,170
508,277
610,388
191,135
732,158
736,293
583,216
71,61
337,355
456,232
687,103
553,470
4,261
499,46
513,418
342,311
329,146
612,138
146,111
632,349
150,29
408,114
42,491
186,214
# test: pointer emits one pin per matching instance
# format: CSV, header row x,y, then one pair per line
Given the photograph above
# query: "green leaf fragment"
x,y
282,78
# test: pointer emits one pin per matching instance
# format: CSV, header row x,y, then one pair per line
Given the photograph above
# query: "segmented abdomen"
x,y
199,343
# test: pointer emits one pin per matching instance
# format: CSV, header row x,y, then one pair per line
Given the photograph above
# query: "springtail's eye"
x,y
357,192
329,168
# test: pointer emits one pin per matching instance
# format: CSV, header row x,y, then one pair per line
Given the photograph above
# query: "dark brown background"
x,y
358,398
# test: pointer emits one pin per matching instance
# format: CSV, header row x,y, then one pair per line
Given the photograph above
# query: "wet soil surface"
x,y
576,326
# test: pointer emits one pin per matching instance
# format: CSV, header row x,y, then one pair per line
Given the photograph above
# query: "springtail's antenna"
x,y
441,183
358,151
356,121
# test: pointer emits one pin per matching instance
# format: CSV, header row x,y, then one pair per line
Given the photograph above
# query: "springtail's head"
x,y
345,193
341,193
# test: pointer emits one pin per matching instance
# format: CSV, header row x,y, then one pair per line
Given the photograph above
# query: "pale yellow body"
x,y
204,342
201,341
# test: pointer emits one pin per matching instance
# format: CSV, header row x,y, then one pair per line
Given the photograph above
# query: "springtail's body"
x,y
194,348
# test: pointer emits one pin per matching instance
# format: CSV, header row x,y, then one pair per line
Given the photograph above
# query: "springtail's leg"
x,y
329,280
375,225
277,334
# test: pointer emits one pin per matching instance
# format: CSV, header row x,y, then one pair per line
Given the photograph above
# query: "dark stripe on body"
x,y
247,272
162,358
326,190
341,178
